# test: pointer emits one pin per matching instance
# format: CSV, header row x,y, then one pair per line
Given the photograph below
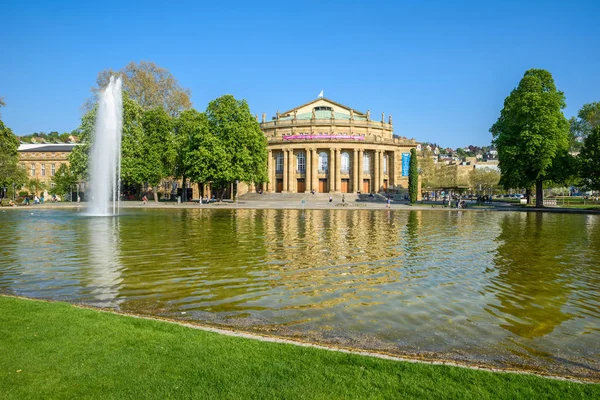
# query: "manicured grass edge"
x,y
286,367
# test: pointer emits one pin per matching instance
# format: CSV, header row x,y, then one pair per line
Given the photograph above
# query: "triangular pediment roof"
x,y
323,101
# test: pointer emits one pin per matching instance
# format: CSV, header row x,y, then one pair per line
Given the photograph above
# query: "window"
x,y
82,187
301,162
345,163
323,108
23,166
323,167
32,169
52,169
279,162
43,169
52,185
385,159
367,163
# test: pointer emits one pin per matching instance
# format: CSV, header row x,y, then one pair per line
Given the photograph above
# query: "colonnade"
x,y
333,180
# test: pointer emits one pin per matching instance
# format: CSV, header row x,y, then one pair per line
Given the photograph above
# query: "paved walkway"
x,y
350,202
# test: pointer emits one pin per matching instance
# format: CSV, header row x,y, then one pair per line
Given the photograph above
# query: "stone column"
x,y
338,170
355,171
292,172
315,169
381,175
270,176
392,169
361,155
376,174
285,171
307,175
331,179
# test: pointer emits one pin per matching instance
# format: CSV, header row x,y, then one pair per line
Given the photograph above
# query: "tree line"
x,y
164,137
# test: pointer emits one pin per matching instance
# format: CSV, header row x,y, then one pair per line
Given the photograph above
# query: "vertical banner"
x,y
405,163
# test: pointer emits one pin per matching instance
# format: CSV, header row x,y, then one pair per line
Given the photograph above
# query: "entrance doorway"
x,y
322,185
279,185
385,185
345,185
366,186
301,185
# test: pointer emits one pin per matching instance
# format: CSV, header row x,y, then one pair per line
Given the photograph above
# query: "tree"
x,y
241,146
149,85
531,132
589,160
36,185
63,180
484,179
588,118
132,150
158,145
198,151
2,103
428,170
413,176
10,172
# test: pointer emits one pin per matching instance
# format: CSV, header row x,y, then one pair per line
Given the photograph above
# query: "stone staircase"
x,y
317,197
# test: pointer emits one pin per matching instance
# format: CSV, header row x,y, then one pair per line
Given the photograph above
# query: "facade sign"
x,y
320,137
405,163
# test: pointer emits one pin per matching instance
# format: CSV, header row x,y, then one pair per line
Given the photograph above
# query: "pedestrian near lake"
x,y
145,200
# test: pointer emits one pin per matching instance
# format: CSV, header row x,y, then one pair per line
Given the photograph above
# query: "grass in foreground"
x,y
55,350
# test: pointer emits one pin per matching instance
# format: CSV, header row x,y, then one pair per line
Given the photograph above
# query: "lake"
x,y
502,289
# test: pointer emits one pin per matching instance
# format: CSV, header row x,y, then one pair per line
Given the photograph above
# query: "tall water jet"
x,y
105,158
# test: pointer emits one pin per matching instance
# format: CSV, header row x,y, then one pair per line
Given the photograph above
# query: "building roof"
x,y
326,100
45,147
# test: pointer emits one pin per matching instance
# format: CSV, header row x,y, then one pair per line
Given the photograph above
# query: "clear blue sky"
x,y
441,68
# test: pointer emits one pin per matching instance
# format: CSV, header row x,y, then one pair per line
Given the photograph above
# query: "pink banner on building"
x,y
320,137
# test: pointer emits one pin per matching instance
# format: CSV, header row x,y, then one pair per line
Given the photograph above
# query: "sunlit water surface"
x,y
504,289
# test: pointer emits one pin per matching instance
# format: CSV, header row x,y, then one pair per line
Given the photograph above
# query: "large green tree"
x,y
158,144
241,147
531,132
199,152
413,176
149,85
589,160
10,172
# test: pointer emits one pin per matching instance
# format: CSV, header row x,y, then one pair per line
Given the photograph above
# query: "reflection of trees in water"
x,y
209,259
534,272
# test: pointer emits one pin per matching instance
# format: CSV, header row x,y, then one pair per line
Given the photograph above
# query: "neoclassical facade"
x,y
326,147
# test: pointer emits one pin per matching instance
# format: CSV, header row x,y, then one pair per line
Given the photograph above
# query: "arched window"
x,y
301,166
367,163
345,162
385,164
323,165
279,163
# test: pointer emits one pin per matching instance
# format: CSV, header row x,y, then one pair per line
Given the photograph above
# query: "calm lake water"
x,y
504,289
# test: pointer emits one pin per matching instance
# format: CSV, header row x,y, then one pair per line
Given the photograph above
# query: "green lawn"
x,y
55,350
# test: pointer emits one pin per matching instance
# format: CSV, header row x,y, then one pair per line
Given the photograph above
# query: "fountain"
x,y
105,157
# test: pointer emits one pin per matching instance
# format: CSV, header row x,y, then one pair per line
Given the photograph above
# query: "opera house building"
x,y
326,147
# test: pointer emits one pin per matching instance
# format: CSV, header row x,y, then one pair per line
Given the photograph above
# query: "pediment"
x,y
322,102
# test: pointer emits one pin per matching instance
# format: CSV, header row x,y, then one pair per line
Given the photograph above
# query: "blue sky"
x,y
441,68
